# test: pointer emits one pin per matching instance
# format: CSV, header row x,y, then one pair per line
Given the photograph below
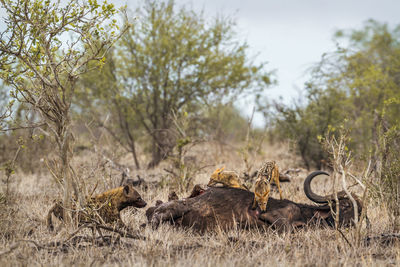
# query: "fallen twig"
x,y
344,237
121,232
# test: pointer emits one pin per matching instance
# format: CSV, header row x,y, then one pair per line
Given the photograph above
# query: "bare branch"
x,y
23,127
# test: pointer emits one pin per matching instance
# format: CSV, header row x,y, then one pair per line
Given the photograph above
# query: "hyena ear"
x,y
126,189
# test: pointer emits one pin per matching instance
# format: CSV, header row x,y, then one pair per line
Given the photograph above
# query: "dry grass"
x,y
23,219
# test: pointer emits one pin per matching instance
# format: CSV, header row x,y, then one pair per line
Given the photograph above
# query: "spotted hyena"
x,y
103,208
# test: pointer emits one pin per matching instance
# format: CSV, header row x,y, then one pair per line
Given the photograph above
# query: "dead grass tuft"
x,y
22,219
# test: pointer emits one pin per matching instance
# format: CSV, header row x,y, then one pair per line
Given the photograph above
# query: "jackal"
x,y
226,178
267,173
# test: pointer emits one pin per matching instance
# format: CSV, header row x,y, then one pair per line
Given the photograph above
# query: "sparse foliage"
x,y
355,83
44,49
183,165
359,85
335,143
386,186
173,60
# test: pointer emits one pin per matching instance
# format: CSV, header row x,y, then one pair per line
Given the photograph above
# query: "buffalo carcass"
x,y
230,207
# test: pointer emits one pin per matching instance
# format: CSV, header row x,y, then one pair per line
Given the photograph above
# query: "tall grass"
x,y
22,219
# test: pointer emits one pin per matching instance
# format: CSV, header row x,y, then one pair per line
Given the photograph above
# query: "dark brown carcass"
x,y
231,207
217,206
290,214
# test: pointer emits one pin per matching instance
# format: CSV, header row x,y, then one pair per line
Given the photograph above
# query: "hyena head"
x,y
131,197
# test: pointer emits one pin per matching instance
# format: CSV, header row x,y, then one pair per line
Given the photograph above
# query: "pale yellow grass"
x,y
33,194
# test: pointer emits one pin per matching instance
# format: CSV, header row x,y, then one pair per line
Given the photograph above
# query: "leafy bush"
x,y
354,83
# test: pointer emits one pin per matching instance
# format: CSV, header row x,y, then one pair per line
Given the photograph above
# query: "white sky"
x,y
291,35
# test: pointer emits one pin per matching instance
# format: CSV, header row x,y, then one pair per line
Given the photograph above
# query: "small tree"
x,y
173,60
44,49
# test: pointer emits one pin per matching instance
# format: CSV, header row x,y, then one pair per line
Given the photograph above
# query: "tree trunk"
x,y
65,175
131,141
134,154
376,135
156,156
162,147
70,190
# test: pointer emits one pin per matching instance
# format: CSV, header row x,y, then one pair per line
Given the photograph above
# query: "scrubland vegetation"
x,y
90,96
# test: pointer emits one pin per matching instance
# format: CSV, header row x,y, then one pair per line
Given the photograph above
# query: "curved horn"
x,y
307,188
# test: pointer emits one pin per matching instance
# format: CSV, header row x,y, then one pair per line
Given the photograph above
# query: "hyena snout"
x,y
140,203
133,197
